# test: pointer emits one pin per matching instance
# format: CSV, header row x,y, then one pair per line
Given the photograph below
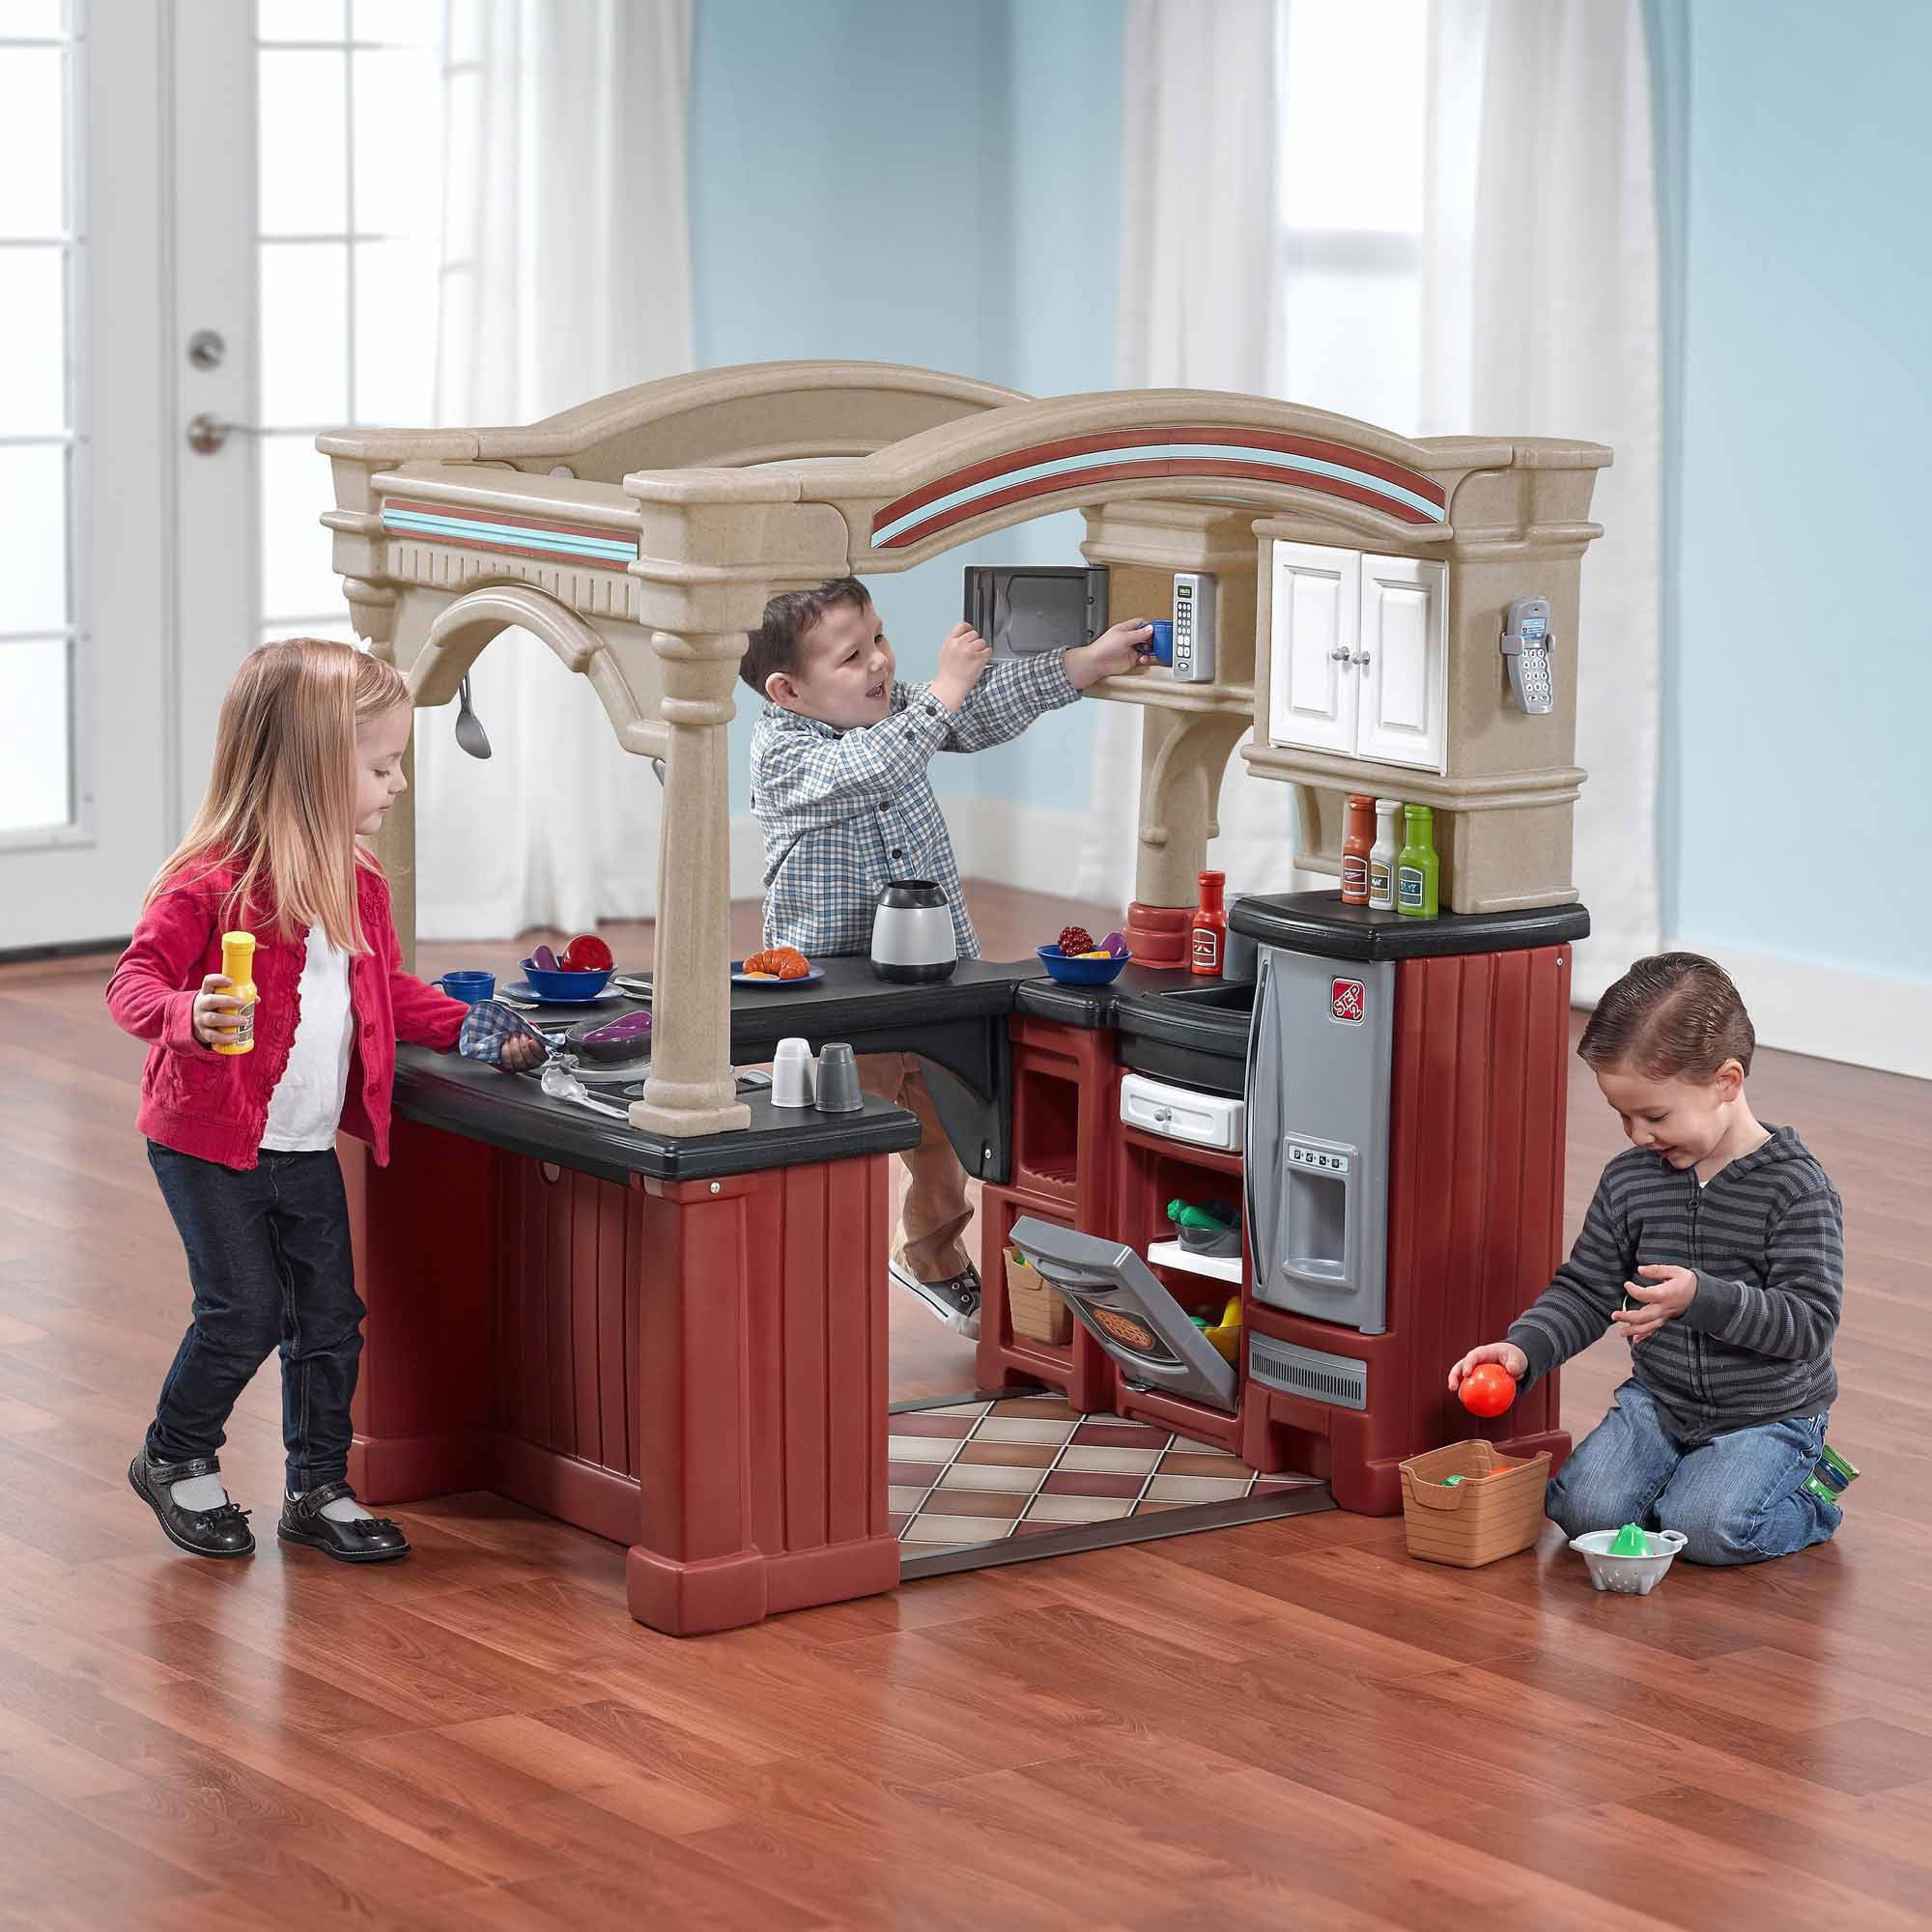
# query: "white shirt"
x,y
305,1109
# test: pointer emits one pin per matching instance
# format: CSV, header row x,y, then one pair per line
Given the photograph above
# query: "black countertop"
x,y
958,1023
510,1110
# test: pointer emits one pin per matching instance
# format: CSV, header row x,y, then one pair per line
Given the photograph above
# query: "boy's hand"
x,y
962,657
215,1013
1123,646
521,1051
1660,1299
1507,1353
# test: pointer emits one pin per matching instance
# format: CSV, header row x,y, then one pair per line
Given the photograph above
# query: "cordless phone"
x,y
1193,627
1527,649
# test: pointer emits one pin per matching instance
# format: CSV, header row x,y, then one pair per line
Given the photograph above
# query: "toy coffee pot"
x,y
912,933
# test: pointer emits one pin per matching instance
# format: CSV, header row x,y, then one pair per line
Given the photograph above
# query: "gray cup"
x,y
839,1089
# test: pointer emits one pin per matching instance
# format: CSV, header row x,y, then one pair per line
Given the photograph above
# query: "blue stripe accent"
x,y
1160,452
469,529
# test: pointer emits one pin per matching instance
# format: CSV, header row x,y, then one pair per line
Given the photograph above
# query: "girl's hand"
x,y
521,1051
1507,1353
1122,647
1668,1294
215,1013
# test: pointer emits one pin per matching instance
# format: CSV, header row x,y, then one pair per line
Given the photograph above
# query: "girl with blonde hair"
x,y
308,758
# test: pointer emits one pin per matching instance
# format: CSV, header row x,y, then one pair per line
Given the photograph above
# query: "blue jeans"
x,y
269,1262
1737,1498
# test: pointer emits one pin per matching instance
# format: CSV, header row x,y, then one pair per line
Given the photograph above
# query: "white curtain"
x,y
1540,317
1198,186
566,276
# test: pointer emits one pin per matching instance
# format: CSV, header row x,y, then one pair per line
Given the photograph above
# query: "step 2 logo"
x,y
1348,1001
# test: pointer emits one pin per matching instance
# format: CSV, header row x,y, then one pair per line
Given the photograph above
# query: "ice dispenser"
x,y
1317,1168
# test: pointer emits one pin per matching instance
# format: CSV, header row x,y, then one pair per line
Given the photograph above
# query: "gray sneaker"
x,y
955,1300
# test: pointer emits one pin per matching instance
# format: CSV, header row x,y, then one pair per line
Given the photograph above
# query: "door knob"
x,y
1340,655
1359,658
207,433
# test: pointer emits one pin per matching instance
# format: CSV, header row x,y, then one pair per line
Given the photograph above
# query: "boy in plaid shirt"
x,y
841,792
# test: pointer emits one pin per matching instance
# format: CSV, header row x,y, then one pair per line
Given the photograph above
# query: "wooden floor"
x,y
1289,1725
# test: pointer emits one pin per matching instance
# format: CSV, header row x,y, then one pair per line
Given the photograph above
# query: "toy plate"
x,y
741,978
522,989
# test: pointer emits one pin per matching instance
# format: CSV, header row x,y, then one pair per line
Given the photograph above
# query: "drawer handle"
x,y
1163,1115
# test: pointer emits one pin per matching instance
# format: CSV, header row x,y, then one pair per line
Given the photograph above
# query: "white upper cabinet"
x,y
1312,685
1358,655
1402,662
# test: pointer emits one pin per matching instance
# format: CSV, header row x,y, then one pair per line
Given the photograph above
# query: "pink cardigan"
x,y
215,1105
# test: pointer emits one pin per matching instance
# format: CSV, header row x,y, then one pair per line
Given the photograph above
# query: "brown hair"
x,y
281,796
1673,1016
774,645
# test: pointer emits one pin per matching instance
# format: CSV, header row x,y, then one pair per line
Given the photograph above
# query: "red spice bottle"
x,y
1207,939
1356,842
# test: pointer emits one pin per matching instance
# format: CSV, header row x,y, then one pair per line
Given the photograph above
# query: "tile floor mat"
x,y
989,1470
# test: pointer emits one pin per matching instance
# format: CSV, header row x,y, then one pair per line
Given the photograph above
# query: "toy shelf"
x,y
1173,1255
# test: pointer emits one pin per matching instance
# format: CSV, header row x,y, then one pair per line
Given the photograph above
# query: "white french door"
x,y
217,219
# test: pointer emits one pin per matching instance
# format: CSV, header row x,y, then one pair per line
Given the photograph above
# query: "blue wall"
x,y
1799,674
939,185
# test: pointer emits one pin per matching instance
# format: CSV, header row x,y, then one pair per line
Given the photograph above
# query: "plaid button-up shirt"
x,y
843,811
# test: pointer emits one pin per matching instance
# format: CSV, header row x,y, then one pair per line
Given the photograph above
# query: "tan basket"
x,y
1480,1519
1034,1309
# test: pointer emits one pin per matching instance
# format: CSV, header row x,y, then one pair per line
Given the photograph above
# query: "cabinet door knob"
x,y
1340,655
1360,658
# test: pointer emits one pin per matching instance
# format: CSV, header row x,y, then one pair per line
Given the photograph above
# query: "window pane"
x,y
399,22
36,699
32,20
303,164
33,370
33,513
32,147
1354,346
304,332
295,490
398,144
341,629
395,332
298,20
1342,167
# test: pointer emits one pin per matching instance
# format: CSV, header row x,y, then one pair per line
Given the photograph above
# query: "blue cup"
x,y
1163,641
469,987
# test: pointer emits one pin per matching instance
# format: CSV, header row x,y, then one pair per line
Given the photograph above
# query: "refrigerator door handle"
x,y
1261,1158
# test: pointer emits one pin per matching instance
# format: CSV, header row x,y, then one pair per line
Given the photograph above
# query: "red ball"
x,y
1488,1389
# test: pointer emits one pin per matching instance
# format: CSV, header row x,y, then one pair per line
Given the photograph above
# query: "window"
x,y
1353,117
347,212
43,431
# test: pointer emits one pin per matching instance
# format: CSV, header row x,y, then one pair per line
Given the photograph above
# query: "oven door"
x,y
1120,1301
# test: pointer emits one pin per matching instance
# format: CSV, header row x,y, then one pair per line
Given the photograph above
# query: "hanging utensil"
x,y
562,1085
469,732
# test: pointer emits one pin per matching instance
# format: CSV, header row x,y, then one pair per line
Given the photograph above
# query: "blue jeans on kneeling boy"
x,y
1737,1498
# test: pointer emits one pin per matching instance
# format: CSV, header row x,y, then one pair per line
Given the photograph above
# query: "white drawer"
x,y
1179,1114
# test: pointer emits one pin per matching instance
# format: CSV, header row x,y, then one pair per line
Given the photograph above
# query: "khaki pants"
x,y
934,1214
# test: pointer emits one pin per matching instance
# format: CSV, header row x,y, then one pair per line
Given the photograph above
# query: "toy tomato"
x,y
1488,1389
587,953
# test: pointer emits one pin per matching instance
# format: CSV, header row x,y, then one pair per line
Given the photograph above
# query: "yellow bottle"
x,y
237,963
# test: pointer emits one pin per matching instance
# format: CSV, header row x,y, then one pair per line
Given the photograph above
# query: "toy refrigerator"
x,y
1405,1125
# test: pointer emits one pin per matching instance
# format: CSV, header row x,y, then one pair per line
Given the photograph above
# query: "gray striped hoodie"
x,y
1766,1238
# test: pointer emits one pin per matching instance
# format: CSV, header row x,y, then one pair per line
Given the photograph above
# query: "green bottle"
x,y
1416,866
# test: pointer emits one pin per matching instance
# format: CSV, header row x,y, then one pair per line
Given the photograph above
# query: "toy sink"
x,y
1627,1575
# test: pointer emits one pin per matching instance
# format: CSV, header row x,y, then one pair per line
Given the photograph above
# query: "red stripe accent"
x,y
1083,445
605,533
1328,486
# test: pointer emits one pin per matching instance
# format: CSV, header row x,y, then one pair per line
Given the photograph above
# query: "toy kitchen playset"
x,y
1261,1211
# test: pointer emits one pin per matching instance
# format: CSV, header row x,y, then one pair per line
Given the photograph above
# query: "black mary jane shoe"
x,y
217,1532
365,1539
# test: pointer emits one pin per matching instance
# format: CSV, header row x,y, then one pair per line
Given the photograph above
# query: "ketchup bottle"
x,y
1207,939
1356,842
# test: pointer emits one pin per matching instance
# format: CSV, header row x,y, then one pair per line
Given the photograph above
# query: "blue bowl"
x,y
565,986
1071,971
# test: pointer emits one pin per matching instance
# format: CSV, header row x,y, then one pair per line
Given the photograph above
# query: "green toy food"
x,y
1630,1541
